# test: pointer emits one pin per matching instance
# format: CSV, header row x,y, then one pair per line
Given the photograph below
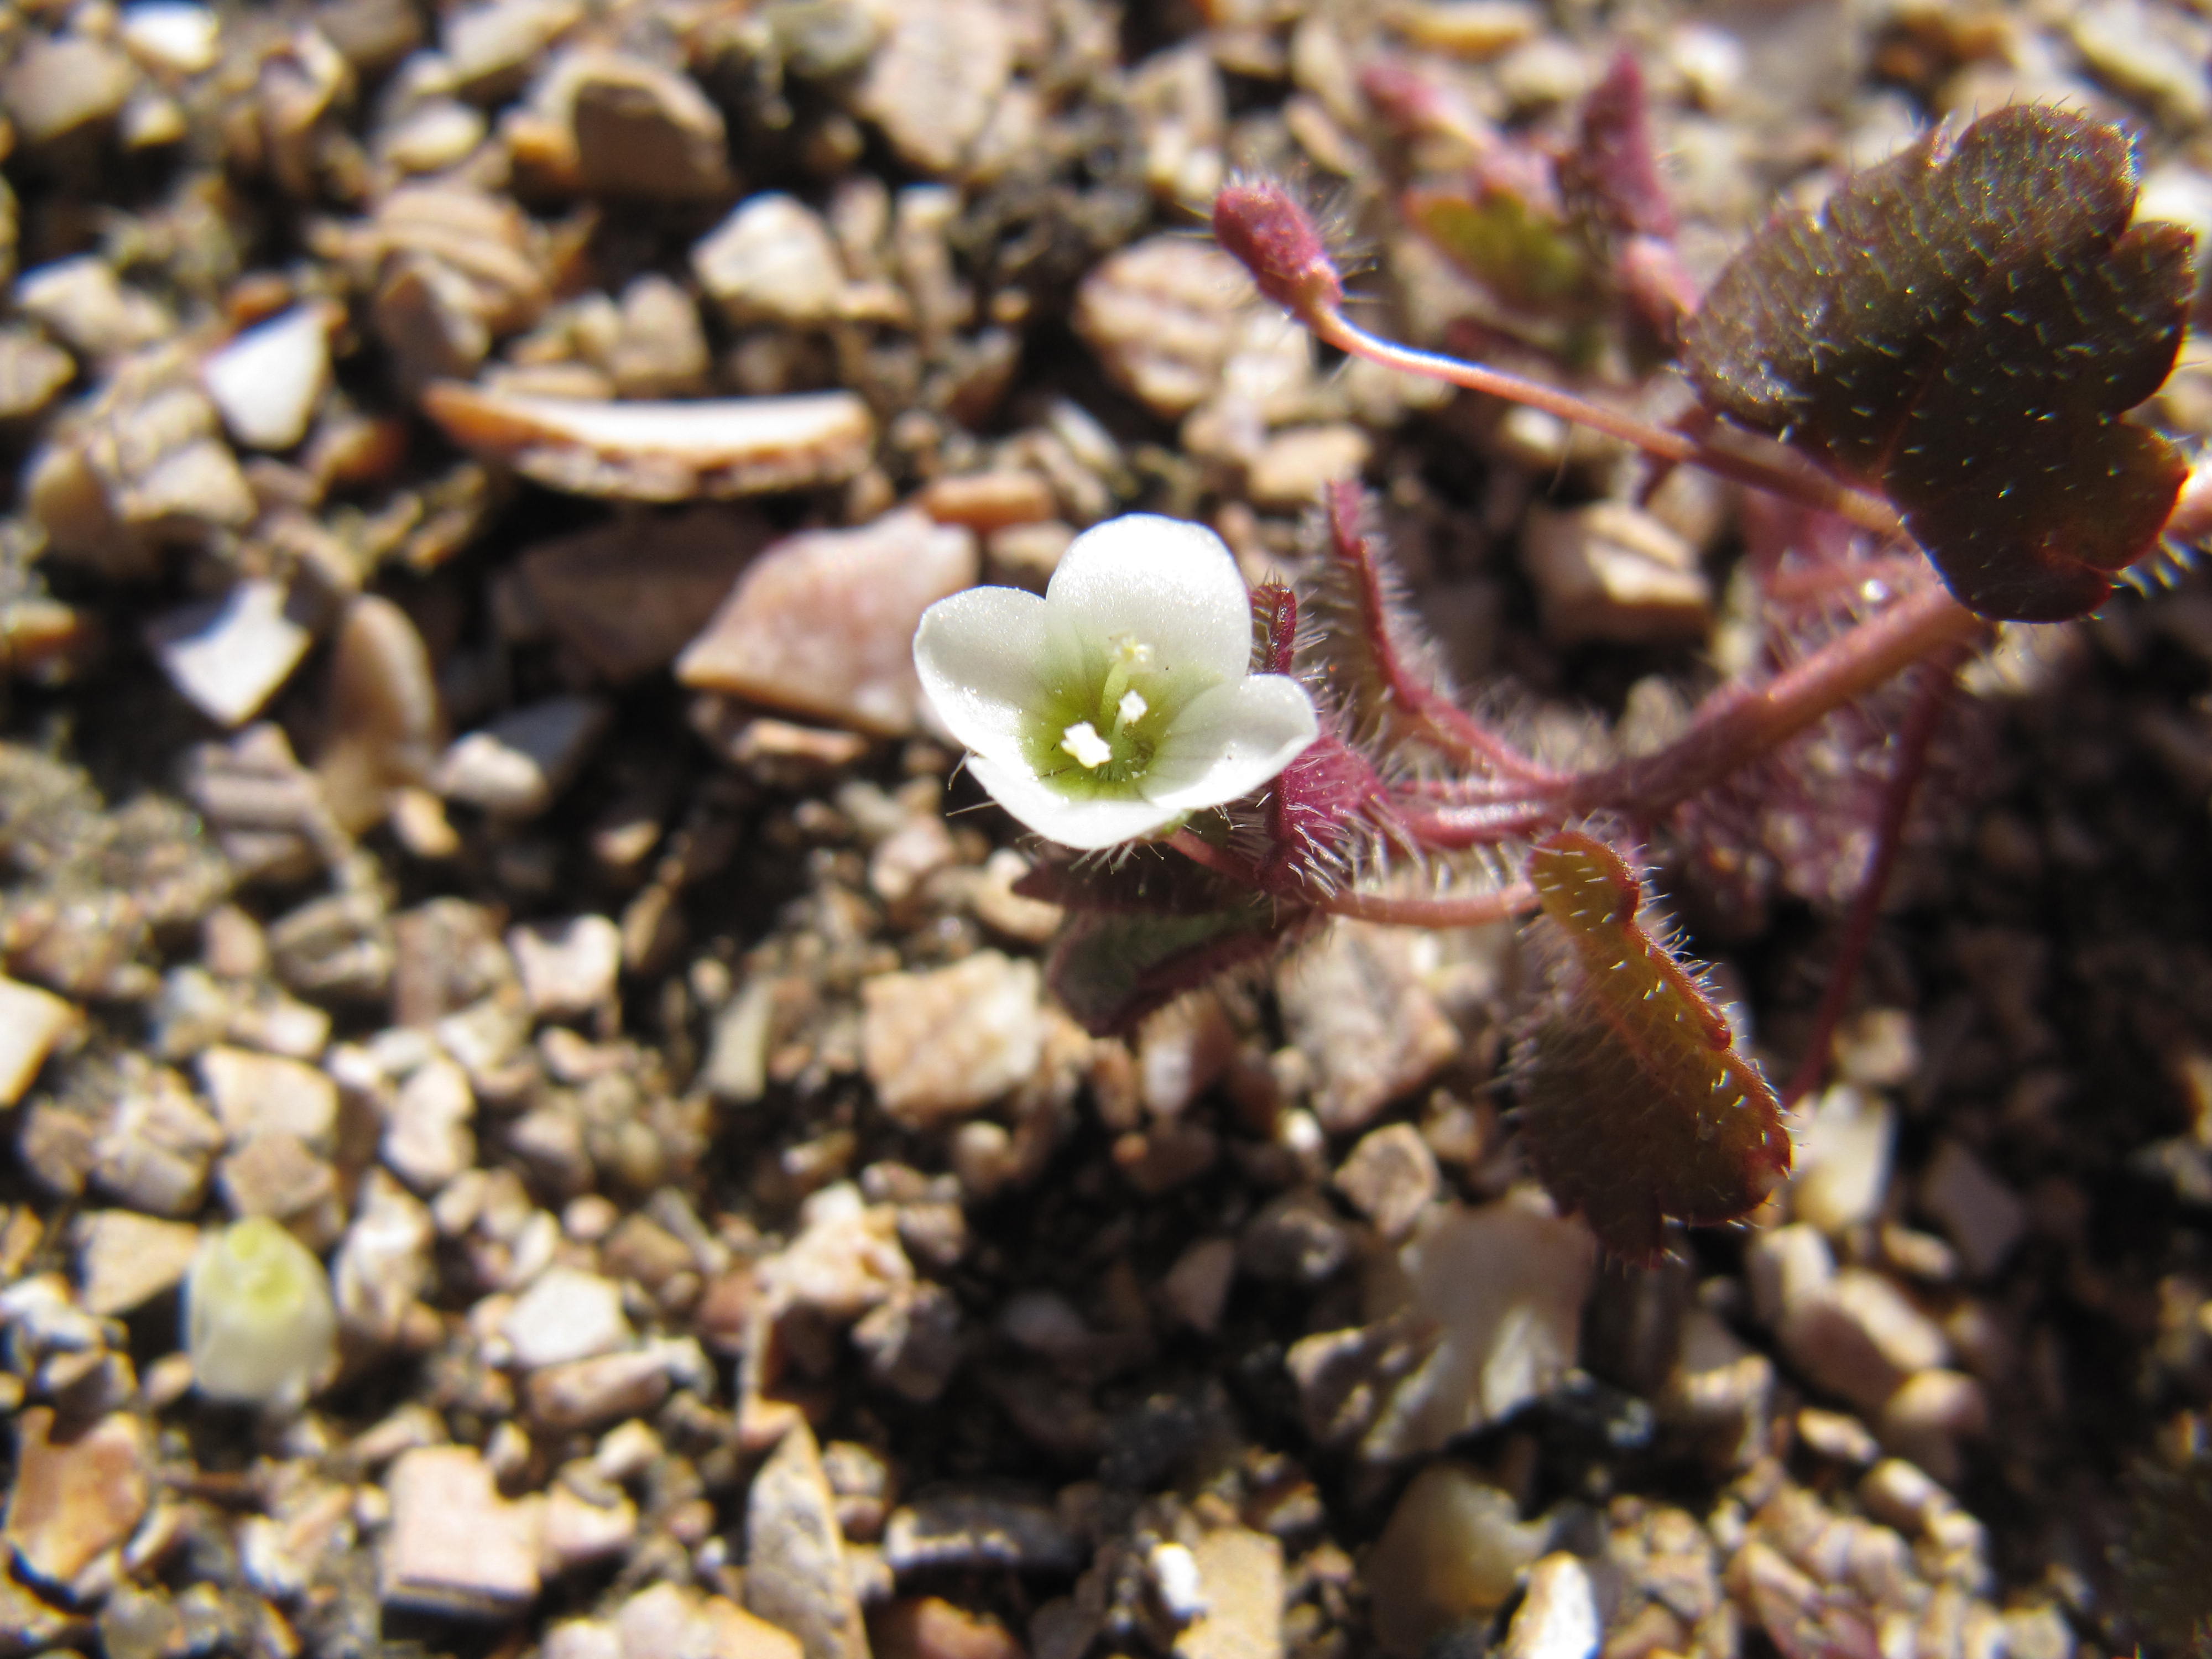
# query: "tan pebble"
x,y
258,1094
32,1022
569,967
385,720
1293,468
1469,28
941,1044
1197,1287
1559,1618
1985,1218
31,372
822,622
1240,1576
1390,1177
56,88
662,451
988,502
640,132
515,767
772,261
796,1576
1842,1168
666,1619
1161,315
927,1627
454,1546
1355,1006
125,1261
578,1532
75,1497
83,301
1452,1551
628,596
933,84
267,380
1611,572
584,1394
230,656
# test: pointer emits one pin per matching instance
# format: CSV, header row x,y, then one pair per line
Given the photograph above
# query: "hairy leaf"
x,y
1111,968
1635,1106
1963,326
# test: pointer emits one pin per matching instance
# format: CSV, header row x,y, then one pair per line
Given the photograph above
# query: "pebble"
x,y
1197,1287
822,622
935,79
515,767
585,1394
1611,572
1452,1551
950,1041
84,302
255,1094
489,47
75,1497
641,132
961,1530
1984,1217
455,1546
569,967
772,261
31,372
626,597
796,1577
31,1021
566,1314
1240,1575
1354,1004
929,1627
1471,28
1295,1238
277,1176
230,656
125,1261
154,1149
1390,1177
1858,1336
846,1259
1293,467
1181,1051
267,380
577,1531
1930,1412
383,1265
428,1139
1161,314
1558,1617
1505,1283
384,723
2138,50
58,87
172,35
669,1620
1843,1160
661,451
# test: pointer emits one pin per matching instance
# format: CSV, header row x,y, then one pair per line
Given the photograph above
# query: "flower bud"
x,y
259,1316
1266,228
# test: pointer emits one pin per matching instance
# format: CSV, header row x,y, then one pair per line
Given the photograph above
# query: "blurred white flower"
x,y
1120,702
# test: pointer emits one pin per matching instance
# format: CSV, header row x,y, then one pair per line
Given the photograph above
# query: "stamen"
x,y
1132,707
1082,741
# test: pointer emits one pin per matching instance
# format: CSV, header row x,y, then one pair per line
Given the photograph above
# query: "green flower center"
x,y
1101,722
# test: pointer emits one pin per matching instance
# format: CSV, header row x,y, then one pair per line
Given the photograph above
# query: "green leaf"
x,y
1963,326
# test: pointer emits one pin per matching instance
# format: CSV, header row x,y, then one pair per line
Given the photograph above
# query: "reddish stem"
x,y
1781,476
1398,910
1938,678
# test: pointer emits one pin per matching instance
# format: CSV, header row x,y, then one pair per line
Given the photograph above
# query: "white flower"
x,y
1120,702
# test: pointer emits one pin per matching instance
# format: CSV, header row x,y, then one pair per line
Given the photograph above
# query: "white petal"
x,y
1085,825
1229,741
1171,584
981,657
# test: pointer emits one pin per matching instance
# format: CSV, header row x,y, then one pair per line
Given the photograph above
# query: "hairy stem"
x,y
1798,482
1938,678
1395,910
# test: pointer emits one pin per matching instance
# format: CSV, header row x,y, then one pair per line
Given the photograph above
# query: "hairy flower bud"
x,y
1271,232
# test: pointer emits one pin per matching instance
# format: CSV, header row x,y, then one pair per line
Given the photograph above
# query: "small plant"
x,y
1939,362
259,1322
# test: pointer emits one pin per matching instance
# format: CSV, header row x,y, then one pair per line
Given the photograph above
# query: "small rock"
x,y
277,1176
156,1148
669,1620
1558,1617
517,765
454,1546
172,35
32,1022
568,967
975,1531
928,1627
846,1259
1843,1160
1161,314
1930,1412
86,304
57,86
796,1577
1241,1573
662,451
385,725
1611,572
75,1498
772,261
578,1532
1858,1336
642,133
432,135
427,1139
384,1266
941,1044
1452,1552
258,1094
933,84
1505,1285
267,381
1471,28
585,1394
912,1340
2140,51
1197,1287
1182,1050
822,622
1295,1238
1289,473
627,596
1720,1392
1355,1006
125,1261
229,656
566,1314
491,47
1390,1177
1984,1217
31,372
